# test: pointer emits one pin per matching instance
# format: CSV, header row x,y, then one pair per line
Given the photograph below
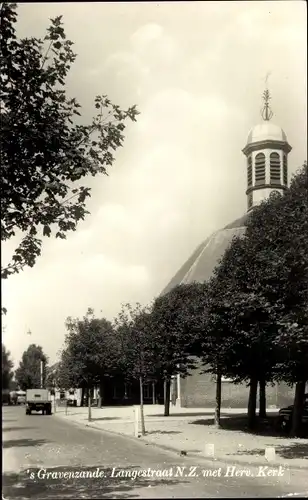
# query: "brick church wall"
x,y
198,390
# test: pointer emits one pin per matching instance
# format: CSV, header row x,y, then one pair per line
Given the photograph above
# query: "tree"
x,y
242,325
7,368
45,152
28,375
215,333
174,319
135,337
88,354
281,226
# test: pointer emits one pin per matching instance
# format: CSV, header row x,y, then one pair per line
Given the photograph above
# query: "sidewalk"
x,y
190,430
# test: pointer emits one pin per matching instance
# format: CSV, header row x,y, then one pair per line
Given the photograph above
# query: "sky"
x,y
196,71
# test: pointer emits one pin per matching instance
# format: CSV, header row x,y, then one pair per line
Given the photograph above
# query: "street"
x,y
38,451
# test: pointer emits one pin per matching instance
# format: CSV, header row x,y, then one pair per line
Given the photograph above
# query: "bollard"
x,y
136,409
209,450
270,454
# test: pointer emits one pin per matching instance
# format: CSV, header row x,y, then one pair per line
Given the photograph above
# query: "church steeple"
x,y
267,152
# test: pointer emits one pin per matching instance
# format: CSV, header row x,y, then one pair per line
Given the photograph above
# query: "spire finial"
x,y
266,111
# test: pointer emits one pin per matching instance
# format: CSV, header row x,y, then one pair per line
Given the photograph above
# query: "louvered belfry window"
x,y
249,172
260,169
285,170
275,168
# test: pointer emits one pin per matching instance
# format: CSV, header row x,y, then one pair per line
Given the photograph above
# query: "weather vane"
x,y
266,111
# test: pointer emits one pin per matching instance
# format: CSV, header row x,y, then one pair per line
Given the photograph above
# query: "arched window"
x,y
260,169
275,168
285,170
249,172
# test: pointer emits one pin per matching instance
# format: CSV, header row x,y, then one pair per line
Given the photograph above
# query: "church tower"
x,y
267,152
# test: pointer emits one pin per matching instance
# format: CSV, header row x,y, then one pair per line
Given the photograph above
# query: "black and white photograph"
x,y
154,249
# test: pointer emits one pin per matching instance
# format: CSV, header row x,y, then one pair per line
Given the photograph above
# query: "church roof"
x,y
200,265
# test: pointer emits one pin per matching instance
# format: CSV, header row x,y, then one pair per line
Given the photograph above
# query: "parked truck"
x,y
38,400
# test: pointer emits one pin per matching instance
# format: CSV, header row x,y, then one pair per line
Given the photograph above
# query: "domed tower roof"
x,y
200,266
266,131
266,134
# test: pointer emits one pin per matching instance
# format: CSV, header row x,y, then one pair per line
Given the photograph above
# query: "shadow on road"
x,y
28,485
38,414
11,443
70,413
7,429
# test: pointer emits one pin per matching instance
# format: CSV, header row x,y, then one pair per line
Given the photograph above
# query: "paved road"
x,y
36,445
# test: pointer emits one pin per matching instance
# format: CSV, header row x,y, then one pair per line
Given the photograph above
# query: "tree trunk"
x,y
89,405
298,409
82,396
217,401
141,407
167,397
153,393
101,394
252,402
262,398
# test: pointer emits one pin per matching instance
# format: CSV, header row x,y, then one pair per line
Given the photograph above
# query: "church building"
x,y
266,153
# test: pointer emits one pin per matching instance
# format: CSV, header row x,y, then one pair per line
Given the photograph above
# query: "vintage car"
x,y
284,421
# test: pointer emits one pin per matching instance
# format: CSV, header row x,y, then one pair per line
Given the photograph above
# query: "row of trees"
x,y
257,300
248,322
142,343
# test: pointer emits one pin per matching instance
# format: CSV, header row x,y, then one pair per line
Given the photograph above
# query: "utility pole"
x,y
42,373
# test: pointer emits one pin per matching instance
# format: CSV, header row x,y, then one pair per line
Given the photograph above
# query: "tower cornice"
x,y
277,186
267,144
